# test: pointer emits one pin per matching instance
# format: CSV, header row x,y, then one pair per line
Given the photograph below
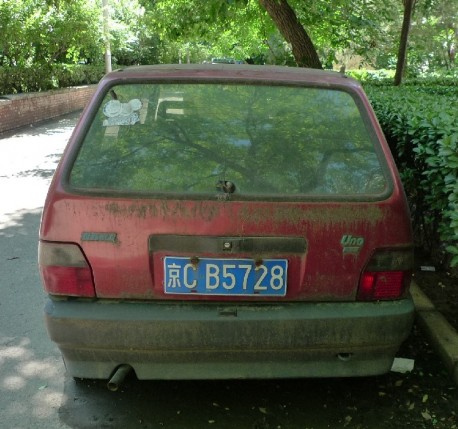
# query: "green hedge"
x,y
421,125
14,80
427,81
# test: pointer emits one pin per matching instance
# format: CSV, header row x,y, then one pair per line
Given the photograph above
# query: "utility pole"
x,y
106,35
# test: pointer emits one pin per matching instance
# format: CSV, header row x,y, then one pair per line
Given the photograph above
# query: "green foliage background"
x,y
420,121
33,79
36,35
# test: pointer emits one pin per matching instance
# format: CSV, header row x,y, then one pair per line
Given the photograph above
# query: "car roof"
x,y
233,72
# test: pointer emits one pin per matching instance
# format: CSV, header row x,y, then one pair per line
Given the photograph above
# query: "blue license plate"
x,y
214,276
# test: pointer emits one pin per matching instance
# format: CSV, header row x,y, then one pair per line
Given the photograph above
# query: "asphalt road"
x,y
36,393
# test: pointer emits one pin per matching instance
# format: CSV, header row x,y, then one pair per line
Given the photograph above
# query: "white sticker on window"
x,y
118,113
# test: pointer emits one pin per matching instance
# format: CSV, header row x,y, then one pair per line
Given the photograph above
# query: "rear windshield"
x,y
243,140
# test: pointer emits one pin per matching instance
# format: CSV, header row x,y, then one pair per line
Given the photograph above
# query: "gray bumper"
x,y
201,340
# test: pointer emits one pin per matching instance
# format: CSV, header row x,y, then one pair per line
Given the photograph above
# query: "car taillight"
x,y
386,276
64,270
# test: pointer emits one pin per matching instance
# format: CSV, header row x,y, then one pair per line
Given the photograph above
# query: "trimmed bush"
x,y
421,126
15,80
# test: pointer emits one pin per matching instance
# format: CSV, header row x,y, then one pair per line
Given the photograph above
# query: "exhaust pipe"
x,y
118,377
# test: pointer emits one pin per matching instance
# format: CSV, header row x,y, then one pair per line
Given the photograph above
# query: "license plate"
x,y
213,276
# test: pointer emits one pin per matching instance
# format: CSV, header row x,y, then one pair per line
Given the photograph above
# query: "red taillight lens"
x,y
387,276
64,270
382,285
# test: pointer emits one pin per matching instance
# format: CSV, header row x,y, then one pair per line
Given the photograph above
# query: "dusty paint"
x,y
370,214
252,213
165,210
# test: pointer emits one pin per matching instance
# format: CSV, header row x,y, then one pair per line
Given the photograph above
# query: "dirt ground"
x,y
440,287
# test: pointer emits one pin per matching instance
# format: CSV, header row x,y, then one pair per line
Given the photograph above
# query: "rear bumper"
x,y
196,340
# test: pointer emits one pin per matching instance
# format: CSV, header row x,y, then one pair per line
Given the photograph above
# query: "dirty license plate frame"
x,y
225,277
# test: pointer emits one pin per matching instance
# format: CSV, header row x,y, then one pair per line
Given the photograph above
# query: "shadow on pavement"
x,y
425,398
31,371
47,126
214,404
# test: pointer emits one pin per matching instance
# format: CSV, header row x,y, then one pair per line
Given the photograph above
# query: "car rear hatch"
x,y
227,189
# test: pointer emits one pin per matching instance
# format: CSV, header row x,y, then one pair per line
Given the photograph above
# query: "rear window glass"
x,y
239,139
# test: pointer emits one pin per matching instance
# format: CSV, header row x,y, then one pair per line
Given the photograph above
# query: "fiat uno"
x,y
226,221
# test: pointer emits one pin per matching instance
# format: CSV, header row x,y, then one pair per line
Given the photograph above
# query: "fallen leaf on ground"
x,y
426,415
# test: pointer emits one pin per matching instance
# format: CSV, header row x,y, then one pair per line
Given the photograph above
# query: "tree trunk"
x,y
402,54
294,33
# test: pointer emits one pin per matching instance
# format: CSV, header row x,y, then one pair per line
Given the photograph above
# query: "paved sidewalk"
x,y
443,337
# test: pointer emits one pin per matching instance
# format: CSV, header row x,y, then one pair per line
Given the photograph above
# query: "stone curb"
x,y
443,337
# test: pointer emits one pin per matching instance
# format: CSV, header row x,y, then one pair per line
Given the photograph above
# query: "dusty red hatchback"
x,y
225,221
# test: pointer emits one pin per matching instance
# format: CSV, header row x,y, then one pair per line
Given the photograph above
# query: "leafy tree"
x,y
340,30
69,33
201,30
238,28
289,32
41,33
258,28
132,40
15,20
434,35
46,32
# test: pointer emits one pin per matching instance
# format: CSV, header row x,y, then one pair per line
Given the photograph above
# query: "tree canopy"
x,y
316,33
35,32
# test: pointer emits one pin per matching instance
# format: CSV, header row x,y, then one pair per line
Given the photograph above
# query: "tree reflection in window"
x,y
266,140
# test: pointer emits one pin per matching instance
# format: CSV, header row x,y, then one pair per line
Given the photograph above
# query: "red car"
x,y
227,221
